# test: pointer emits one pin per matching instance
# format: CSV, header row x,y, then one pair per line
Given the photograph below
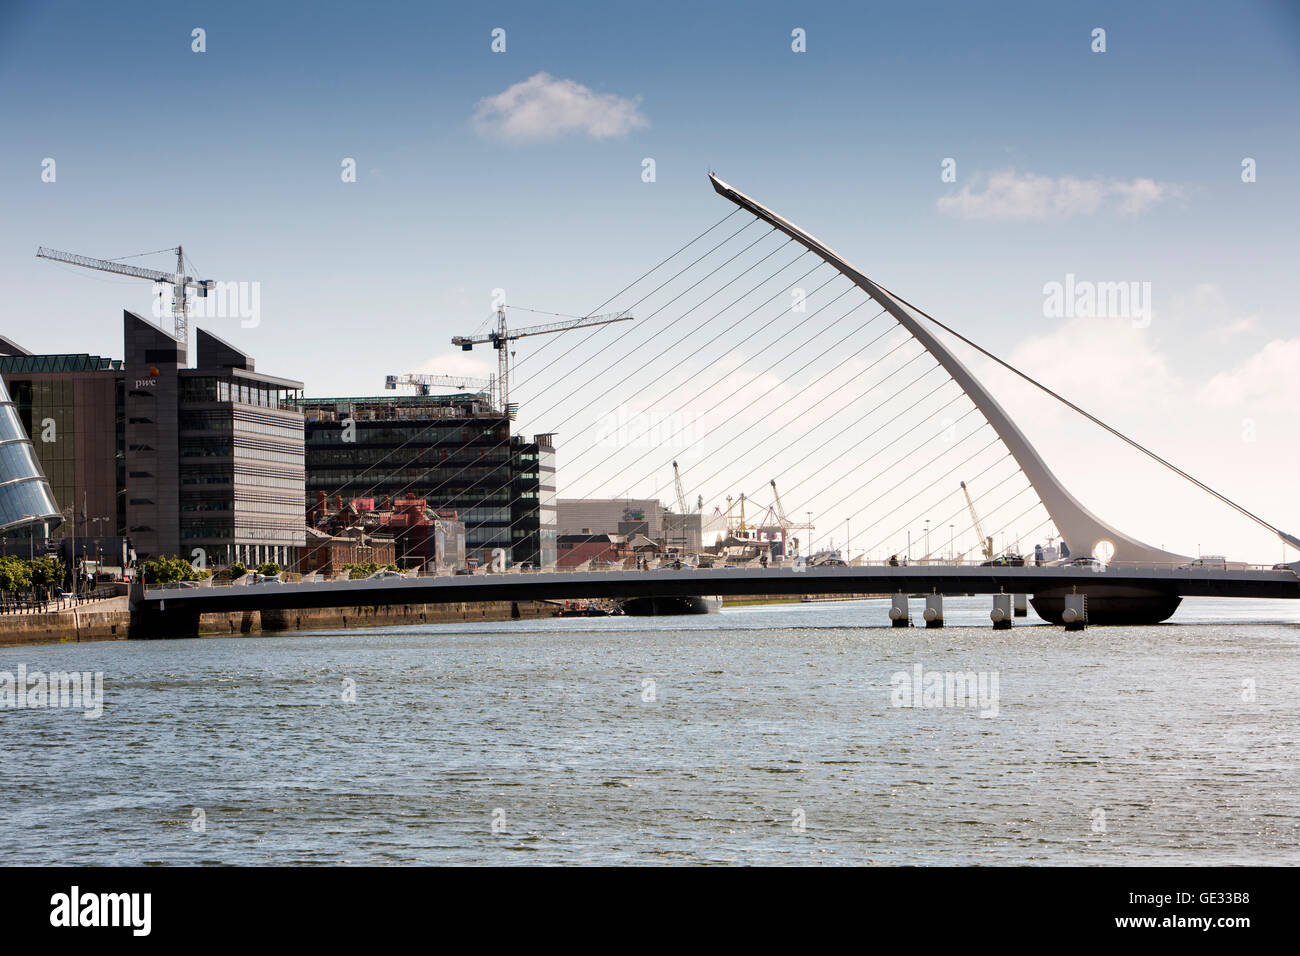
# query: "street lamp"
x,y
952,550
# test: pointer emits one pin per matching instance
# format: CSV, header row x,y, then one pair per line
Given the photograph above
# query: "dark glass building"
x,y
454,451
214,456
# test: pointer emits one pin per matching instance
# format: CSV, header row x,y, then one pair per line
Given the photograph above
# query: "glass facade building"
x,y
72,407
25,495
454,451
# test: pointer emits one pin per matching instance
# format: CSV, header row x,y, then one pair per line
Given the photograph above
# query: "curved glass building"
x,y
25,496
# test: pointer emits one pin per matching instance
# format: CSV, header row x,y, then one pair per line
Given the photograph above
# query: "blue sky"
x,y
236,153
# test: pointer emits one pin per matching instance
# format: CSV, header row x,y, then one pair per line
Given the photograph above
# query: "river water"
x,y
759,735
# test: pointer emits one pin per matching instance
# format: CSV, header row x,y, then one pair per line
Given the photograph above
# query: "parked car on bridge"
x,y
1207,562
1084,561
384,573
256,578
1004,561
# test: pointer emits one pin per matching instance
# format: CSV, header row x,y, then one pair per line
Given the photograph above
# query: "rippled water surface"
x,y
761,717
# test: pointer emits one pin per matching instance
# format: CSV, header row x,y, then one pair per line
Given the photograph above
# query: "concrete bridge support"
x,y
900,611
162,621
1075,614
1001,613
933,610
1020,605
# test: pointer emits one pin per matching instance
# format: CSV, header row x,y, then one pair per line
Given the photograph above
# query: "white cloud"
x,y
456,363
544,107
1269,378
1009,195
1207,310
1235,431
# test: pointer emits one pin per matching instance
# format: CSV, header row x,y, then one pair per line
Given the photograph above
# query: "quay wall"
x,y
110,620
106,620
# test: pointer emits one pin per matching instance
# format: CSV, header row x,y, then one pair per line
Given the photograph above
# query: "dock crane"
x,y
732,526
986,544
681,494
178,280
502,335
781,519
423,383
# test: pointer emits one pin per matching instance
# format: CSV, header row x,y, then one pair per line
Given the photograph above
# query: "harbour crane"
x,y
986,544
781,519
731,526
424,383
501,335
681,494
178,280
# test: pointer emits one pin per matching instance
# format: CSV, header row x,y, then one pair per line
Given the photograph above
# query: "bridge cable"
x,y
660,309
440,422
948,519
572,389
1092,418
680,272
862,417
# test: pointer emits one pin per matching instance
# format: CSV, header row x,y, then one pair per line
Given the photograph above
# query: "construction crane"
x,y
178,280
423,383
986,544
502,335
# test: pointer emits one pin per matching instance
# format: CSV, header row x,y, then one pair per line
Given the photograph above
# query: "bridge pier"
x,y
1001,613
1020,605
162,621
933,610
1075,614
900,612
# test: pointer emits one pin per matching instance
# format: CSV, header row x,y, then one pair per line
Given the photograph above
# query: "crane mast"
x,y
986,544
781,518
681,493
178,280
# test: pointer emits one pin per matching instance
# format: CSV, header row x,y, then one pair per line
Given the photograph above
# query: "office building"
x,y
453,451
205,462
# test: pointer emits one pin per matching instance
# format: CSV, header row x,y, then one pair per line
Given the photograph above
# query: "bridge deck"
x,y
717,581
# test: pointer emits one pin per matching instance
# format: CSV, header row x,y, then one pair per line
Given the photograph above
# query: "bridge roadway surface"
x,y
667,582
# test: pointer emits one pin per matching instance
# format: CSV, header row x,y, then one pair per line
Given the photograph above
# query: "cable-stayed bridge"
x,y
790,363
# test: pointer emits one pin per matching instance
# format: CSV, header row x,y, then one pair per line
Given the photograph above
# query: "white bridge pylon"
x,y
1082,530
